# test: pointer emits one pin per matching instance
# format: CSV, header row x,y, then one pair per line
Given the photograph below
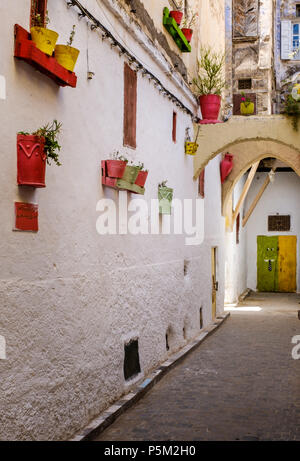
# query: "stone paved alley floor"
x,y
240,384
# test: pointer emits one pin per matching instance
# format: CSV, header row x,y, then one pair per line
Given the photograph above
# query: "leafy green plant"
x,y
72,35
210,72
190,19
292,110
163,184
50,132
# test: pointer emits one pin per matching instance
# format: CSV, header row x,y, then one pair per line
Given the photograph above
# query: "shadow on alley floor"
x,y
240,384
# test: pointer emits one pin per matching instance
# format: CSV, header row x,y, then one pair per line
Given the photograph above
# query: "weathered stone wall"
x,y
252,48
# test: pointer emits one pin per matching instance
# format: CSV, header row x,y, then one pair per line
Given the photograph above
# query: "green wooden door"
x,y
267,263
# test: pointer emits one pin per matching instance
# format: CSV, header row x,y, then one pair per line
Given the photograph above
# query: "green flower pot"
x,y
247,109
165,197
130,173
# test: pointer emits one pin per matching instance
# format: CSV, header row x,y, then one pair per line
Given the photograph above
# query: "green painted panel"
x,y
267,263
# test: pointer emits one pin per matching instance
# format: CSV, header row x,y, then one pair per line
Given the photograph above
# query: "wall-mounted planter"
x,y
226,166
66,56
141,178
26,50
177,15
187,33
165,197
115,168
118,182
191,148
210,106
172,27
31,161
247,109
44,39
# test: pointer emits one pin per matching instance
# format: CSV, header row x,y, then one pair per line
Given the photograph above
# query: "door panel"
x,y
214,283
267,263
287,263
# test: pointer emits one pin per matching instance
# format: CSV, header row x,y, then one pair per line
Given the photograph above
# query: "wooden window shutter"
x,y
286,39
237,238
130,103
174,127
38,7
202,183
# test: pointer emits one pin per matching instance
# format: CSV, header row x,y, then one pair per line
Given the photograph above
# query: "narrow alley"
x,y
240,384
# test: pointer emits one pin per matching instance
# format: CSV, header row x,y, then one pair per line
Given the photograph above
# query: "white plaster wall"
x,y
280,197
69,297
235,262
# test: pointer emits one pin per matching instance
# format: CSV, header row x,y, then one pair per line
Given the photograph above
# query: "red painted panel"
x,y
174,127
26,216
202,183
130,103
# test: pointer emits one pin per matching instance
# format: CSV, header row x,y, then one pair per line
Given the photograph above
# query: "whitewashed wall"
x,y
236,262
281,197
70,298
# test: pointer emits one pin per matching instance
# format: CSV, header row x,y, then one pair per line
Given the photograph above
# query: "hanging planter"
x,y
66,55
187,33
141,178
165,197
246,105
31,160
226,166
130,174
33,151
115,168
191,147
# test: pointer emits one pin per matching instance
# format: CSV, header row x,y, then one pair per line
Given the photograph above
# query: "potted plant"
x,y
131,173
292,110
226,166
116,166
66,55
34,150
210,83
177,14
142,175
165,197
246,105
44,39
189,21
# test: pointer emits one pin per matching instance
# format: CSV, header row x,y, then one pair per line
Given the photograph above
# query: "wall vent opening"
x,y
167,342
279,223
245,84
185,267
201,318
131,359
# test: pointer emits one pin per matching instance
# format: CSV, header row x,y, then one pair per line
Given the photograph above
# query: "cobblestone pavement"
x,y
240,384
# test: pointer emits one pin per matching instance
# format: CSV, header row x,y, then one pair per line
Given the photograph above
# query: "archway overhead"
x,y
223,137
249,139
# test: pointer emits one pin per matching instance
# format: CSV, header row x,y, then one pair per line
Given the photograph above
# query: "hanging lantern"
x,y
226,166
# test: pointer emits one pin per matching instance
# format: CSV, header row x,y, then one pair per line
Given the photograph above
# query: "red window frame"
x,y
38,7
174,126
130,106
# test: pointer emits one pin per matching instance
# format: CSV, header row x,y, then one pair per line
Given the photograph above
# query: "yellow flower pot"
x,y
247,110
66,56
191,148
45,39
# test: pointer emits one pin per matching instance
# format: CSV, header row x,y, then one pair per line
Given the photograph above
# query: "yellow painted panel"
x,y
287,263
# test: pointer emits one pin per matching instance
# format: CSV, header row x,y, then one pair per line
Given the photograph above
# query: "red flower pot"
x,y
226,166
187,33
141,178
31,160
177,15
210,106
115,168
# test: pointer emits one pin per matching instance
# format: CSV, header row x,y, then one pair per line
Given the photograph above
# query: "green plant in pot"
x,y
246,105
131,172
165,197
292,110
210,82
66,55
189,20
44,39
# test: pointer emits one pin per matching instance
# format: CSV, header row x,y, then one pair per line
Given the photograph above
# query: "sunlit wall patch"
x,y
2,87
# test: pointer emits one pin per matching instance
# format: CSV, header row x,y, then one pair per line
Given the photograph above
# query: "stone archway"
x,y
249,139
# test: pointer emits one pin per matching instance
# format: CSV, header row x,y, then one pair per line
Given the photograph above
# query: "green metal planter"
x,y
165,197
130,174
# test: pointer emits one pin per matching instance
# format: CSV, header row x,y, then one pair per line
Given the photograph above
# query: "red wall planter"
x,y
177,15
226,166
31,160
141,178
115,168
187,33
26,50
210,106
